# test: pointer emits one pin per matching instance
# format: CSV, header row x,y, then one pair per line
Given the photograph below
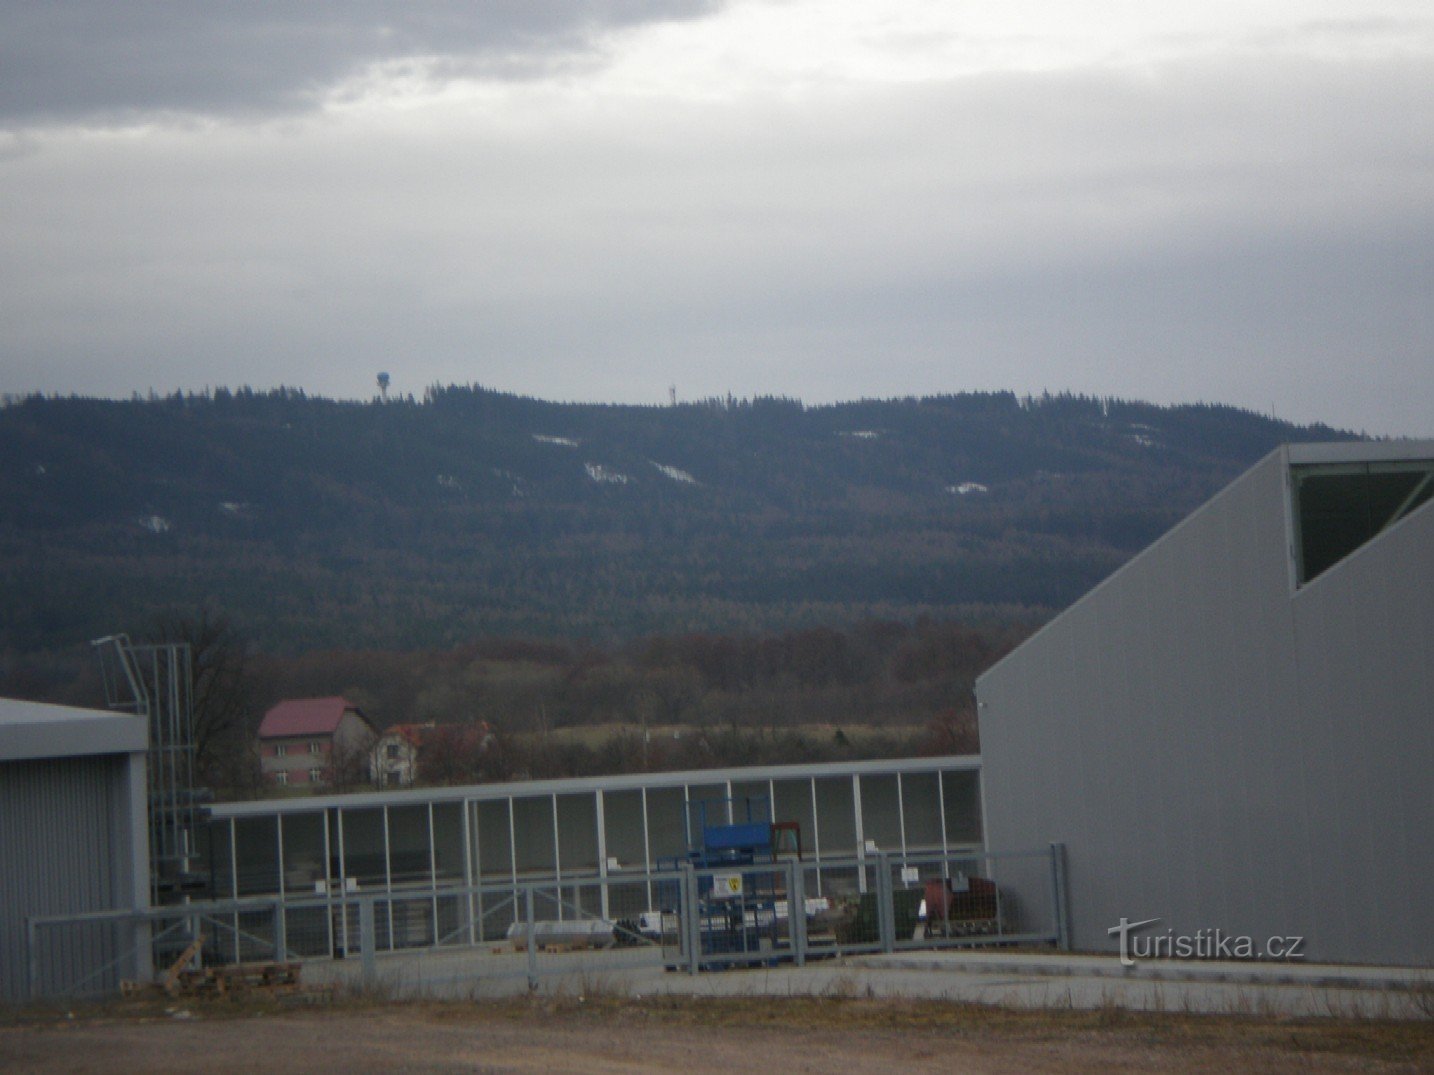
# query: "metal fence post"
x,y
532,921
885,903
143,950
691,918
797,912
1058,893
281,933
367,943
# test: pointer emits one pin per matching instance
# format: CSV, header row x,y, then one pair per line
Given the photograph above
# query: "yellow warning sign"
x,y
726,885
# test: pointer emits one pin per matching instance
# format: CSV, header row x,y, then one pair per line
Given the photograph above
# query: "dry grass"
x,y
595,735
1388,1039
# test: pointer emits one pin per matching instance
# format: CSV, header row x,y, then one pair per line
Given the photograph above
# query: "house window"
x,y
281,779
314,746
280,749
393,752
316,776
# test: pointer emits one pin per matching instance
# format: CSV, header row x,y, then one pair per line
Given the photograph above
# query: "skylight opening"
x,y
1341,507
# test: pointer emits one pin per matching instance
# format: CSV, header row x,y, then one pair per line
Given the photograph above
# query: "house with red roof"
x,y
311,741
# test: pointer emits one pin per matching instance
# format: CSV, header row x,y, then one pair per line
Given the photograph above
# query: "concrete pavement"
x,y
992,976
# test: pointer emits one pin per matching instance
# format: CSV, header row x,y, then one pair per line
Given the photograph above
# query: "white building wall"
x,y
1221,752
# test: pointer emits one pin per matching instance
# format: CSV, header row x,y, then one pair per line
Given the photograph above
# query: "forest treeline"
x,y
558,709
608,588
469,514
670,702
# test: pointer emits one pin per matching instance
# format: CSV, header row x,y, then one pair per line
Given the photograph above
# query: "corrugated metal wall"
x,y
64,846
1219,752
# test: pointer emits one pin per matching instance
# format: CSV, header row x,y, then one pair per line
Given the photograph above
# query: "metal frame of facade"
x,y
575,828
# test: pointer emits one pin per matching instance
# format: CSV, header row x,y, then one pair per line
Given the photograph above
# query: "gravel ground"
x,y
610,1034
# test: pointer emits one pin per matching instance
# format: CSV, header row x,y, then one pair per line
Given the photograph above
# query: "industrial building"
x,y
602,843
1235,731
602,827
73,832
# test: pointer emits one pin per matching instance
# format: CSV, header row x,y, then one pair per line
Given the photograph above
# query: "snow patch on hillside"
x,y
603,475
967,488
513,479
860,434
675,473
561,442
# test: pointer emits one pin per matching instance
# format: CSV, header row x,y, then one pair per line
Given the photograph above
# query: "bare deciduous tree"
x,y
221,694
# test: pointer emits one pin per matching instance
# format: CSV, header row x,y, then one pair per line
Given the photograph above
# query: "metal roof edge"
x,y
579,784
1279,456
1375,451
36,730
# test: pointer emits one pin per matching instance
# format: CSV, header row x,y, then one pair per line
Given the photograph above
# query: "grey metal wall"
x,y
1220,751
67,843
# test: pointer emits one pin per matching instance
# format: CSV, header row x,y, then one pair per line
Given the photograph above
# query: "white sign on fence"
x,y
726,885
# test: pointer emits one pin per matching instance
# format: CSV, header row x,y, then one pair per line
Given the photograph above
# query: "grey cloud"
x,y
1242,230
106,60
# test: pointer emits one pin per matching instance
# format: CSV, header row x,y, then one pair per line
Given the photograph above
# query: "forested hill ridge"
x,y
418,524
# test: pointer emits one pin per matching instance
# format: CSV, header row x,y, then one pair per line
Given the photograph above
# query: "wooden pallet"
x,y
241,978
221,980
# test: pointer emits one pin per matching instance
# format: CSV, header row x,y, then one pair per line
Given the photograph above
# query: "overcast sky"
x,y
1227,201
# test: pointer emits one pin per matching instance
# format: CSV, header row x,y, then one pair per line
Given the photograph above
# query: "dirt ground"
x,y
826,1035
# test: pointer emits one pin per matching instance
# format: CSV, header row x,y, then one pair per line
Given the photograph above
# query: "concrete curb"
x,y
1314,975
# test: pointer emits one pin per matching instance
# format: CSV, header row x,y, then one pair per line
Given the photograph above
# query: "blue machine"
x,y
737,905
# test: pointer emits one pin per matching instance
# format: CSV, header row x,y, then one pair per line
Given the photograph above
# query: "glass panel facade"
x,y
448,842
961,795
707,801
622,816
215,848
577,833
836,817
363,857
495,844
665,825
880,813
415,844
303,854
256,844
921,809
792,801
408,845
758,792
533,835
